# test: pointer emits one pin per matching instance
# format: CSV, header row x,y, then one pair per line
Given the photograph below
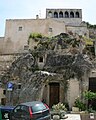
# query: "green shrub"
x,y
59,106
35,35
78,103
88,95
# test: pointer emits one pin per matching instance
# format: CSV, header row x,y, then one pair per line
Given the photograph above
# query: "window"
x,y
41,59
85,34
20,28
24,108
19,86
26,47
17,108
4,92
38,107
50,29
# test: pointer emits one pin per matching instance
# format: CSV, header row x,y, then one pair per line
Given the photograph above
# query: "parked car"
x,y
5,112
34,110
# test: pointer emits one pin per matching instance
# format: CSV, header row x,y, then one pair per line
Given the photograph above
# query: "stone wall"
x,y
73,91
80,30
1,44
92,33
69,21
1,94
86,116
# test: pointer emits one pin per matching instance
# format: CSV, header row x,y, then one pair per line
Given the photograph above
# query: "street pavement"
x,y
72,117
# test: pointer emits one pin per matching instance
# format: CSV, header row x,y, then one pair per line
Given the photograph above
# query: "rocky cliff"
x,y
66,57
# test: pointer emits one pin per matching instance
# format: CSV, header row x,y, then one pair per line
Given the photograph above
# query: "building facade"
x,y
17,32
57,21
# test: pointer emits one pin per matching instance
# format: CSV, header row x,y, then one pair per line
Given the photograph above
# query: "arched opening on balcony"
x,y
71,15
66,14
50,14
77,15
55,15
60,14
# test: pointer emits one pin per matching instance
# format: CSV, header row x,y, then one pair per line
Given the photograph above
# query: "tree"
x,y
90,96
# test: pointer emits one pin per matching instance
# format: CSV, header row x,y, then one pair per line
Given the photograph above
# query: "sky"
x,y
28,9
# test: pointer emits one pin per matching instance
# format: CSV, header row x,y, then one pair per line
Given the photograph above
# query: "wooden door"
x,y
92,87
54,94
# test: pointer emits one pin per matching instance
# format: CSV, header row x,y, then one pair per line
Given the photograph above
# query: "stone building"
x,y
57,21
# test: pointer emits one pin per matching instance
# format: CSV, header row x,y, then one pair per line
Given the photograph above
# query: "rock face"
x,y
77,64
22,65
92,33
25,69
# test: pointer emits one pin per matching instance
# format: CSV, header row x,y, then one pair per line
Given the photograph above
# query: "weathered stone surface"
x,y
25,69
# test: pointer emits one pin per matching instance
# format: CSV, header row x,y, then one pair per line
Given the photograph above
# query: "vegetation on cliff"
x,y
66,56
90,25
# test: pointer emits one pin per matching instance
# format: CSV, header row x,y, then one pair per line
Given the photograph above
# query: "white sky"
x,y
14,9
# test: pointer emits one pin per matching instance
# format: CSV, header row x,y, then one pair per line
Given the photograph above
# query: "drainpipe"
x,y
37,16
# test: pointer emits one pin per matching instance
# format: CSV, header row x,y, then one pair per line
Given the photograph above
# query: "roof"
x,y
6,107
31,103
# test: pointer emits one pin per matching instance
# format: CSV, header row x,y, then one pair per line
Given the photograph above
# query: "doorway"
x,y
54,94
3,101
92,88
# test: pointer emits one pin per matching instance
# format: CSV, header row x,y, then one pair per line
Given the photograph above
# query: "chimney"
x,y
37,16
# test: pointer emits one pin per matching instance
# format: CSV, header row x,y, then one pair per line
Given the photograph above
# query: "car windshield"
x,y
38,107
